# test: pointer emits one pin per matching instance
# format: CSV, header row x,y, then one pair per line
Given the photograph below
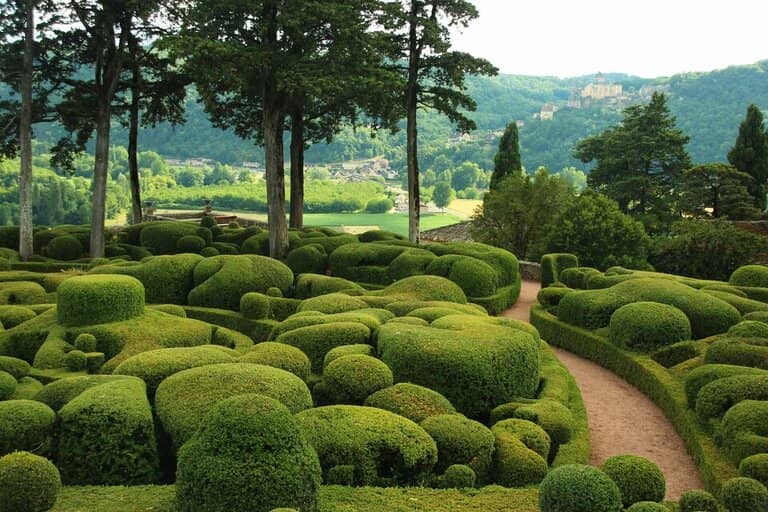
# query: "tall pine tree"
x,y
750,154
507,160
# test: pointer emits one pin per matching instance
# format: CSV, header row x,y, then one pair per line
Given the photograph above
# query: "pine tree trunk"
x,y
297,169
133,140
275,174
25,140
100,169
412,90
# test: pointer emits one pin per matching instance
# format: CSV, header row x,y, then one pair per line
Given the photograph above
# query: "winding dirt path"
x,y
621,418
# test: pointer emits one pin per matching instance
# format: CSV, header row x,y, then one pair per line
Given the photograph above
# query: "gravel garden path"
x,y
621,419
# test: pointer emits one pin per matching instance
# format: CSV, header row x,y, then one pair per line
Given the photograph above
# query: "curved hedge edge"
x,y
505,297
257,330
578,449
651,379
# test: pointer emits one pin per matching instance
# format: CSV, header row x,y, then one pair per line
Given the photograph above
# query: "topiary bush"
x,y
697,500
458,476
98,299
516,465
248,454
313,285
309,259
750,275
26,425
715,398
749,329
11,316
86,342
383,448
162,237
554,263
351,378
550,297
346,350
155,366
756,467
752,352
316,340
744,495
676,353
638,479
75,360
22,292
552,416
461,441
411,401
646,326
578,488
190,244
183,398
703,375
28,483
18,368
424,288
475,277
333,303
744,429
280,355
7,385
647,506
106,436
65,248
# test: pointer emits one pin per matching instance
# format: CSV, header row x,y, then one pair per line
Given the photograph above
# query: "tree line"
x,y
260,68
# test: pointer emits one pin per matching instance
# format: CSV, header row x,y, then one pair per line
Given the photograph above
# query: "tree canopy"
x,y
507,160
750,154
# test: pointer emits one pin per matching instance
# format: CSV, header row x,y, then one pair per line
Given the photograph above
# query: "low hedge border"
x,y
257,330
650,378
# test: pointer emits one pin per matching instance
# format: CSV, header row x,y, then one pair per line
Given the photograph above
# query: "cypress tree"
x,y
507,160
750,154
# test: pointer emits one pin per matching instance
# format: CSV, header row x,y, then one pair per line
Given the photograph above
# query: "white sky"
x,y
648,38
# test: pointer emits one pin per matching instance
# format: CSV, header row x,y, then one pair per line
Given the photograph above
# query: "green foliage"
x,y
500,364
351,378
308,259
384,448
28,483
517,465
552,416
749,329
26,425
577,277
280,355
17,368
530,434
313,285
749,153
744,495
249,453
443,194
98,299
647,506
461,441
85,342
578,488
520,212
676,353
507,160
317,340
379,205
594,227
425,288
332,303
190,244
739,351
743,429
699,377
717,190
155,366
411,401
475,277
106,436
552,264
756,467
750,275
163,237
707,250
458,476
65,248
696,500
592,309
346,350
646,326
75,360
221,281
638,479
183,398
21,292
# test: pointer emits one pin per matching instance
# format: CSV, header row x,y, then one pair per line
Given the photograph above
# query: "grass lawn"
x,y
160,498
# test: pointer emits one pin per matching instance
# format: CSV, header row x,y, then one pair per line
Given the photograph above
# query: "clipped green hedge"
x,y
578,488
190,244
106,436
552,264
744,429
697,500
755,466
424,288
28,483
248,454
647,326
26,425
65,248
411,401
638,478
501,363
350,379
316,340
346,350
474,276
280,355
21,292
744,495
715,398
332,303
162,237
18,368
577,277
309,259
99,299
313,285
382,448
517,465
703,375
750,275
749,329
751,352
183,398
461,441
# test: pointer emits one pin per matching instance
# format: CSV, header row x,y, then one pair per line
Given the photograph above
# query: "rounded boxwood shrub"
x,y
697,500
515,464
751,352
279,355
26,425
461,441
742,494
715,398
347,350
22,292
75,360
255,306
424,288
383,448
411,401
351,378
497,365
99,299
309,259
332,303
458,476
183,398
578,488
749,329
7,385
744,429
703,375
530,434
639,479
65,248
317,340
551,296
11,316
208,221
86,342
756,467
474,276
750,275
154,366
248,454
162,237
190,243
647,506
18,368
647,326
28,483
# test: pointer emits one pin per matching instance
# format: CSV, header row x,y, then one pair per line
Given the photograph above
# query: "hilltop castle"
x,y
600,89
